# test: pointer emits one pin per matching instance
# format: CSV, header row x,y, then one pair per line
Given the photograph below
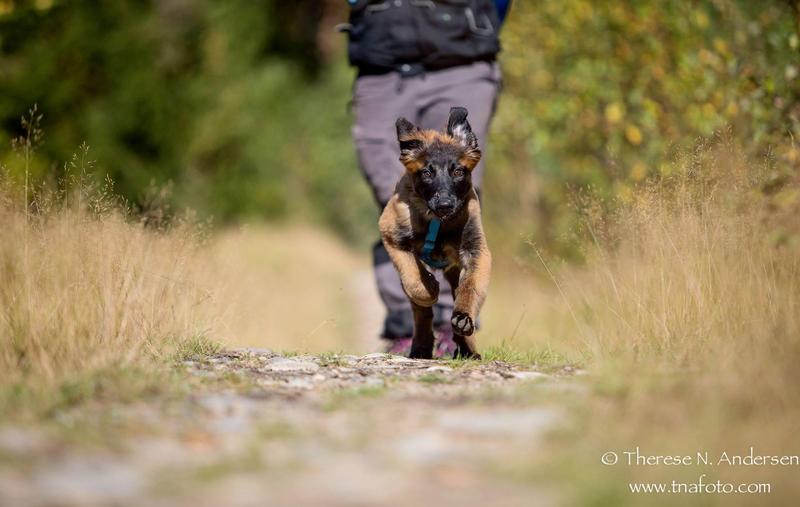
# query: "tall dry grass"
x,y
700,268
688,314
90,294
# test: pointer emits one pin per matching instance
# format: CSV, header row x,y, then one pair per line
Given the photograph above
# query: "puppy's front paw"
x,y
462,323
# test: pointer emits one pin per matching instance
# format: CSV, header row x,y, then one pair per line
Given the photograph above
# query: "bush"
x,y
231,103
606,94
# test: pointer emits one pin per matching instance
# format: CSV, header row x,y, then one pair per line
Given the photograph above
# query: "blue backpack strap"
x,y
430,244
502,9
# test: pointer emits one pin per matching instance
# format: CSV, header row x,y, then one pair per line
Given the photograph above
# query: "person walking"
x,y
417,59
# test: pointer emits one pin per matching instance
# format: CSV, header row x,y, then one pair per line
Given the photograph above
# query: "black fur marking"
x,y
422,343
439,152
458,115
403,237
471,239
411,145
459,127
405,127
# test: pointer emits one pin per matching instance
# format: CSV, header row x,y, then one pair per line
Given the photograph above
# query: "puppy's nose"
x,y
445,204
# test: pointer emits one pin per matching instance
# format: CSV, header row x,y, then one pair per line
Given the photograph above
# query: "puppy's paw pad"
x,y
462,324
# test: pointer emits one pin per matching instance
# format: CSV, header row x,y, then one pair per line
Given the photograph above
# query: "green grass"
x,y
196,348
432,378
84,408
115,383
544,359
331,359
345,397
119,384
541,358
292,353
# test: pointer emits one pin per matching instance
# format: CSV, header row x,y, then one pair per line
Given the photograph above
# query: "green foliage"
x,y
228,101
604,94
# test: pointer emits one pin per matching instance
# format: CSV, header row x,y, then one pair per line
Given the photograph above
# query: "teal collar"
x,y
430,244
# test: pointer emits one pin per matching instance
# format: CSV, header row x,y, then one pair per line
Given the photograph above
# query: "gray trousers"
x,y
425,100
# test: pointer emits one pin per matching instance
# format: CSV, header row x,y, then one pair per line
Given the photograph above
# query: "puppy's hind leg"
x,y
422,343
465,344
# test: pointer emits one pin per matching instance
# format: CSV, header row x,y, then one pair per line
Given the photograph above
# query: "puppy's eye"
x,y
426,174
458,172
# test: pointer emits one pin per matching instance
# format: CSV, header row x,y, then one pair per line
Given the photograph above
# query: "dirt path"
x,y
306,430
368,309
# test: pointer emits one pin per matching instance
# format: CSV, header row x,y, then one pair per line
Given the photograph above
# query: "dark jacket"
x,y
411,36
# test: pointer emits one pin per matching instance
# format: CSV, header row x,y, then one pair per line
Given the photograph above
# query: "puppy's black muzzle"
x,y
443,207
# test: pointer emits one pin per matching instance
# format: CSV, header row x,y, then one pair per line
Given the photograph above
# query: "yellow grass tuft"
x,y
86,289
688,312
701,269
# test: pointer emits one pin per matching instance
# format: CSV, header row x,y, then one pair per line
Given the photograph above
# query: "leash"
x,y
430,243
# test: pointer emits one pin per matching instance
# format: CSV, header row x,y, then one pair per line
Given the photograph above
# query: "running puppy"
x,y
434,218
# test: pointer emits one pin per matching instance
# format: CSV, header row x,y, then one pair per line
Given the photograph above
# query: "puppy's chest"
x,y
445,247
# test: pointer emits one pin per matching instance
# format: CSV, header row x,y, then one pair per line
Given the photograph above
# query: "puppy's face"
x,y
440,163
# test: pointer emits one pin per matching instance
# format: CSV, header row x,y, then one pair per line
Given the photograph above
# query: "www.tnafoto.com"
x,y
701,486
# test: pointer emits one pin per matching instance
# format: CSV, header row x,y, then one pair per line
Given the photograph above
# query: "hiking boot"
x,y
444,346
399,346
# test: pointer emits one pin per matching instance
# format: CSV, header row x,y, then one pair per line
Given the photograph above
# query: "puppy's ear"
x,y
406,134
411,143
459,129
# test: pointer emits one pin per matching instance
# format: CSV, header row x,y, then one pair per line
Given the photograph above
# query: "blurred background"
x,y
238,110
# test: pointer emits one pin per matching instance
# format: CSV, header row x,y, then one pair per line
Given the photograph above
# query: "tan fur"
x,y
473,281
419,285
429,137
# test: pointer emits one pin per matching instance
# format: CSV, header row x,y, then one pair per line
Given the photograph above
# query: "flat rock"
x,y
300,383
377,355
399,359
256,351
529,375
441,369
287,364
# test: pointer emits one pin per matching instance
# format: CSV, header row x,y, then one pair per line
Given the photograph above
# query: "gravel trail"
x,y
266,429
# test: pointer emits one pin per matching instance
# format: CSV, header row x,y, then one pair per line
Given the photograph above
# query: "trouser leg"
x,y
472,86
378,102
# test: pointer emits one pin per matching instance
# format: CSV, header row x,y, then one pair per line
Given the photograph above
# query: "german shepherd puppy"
x,y
436,191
